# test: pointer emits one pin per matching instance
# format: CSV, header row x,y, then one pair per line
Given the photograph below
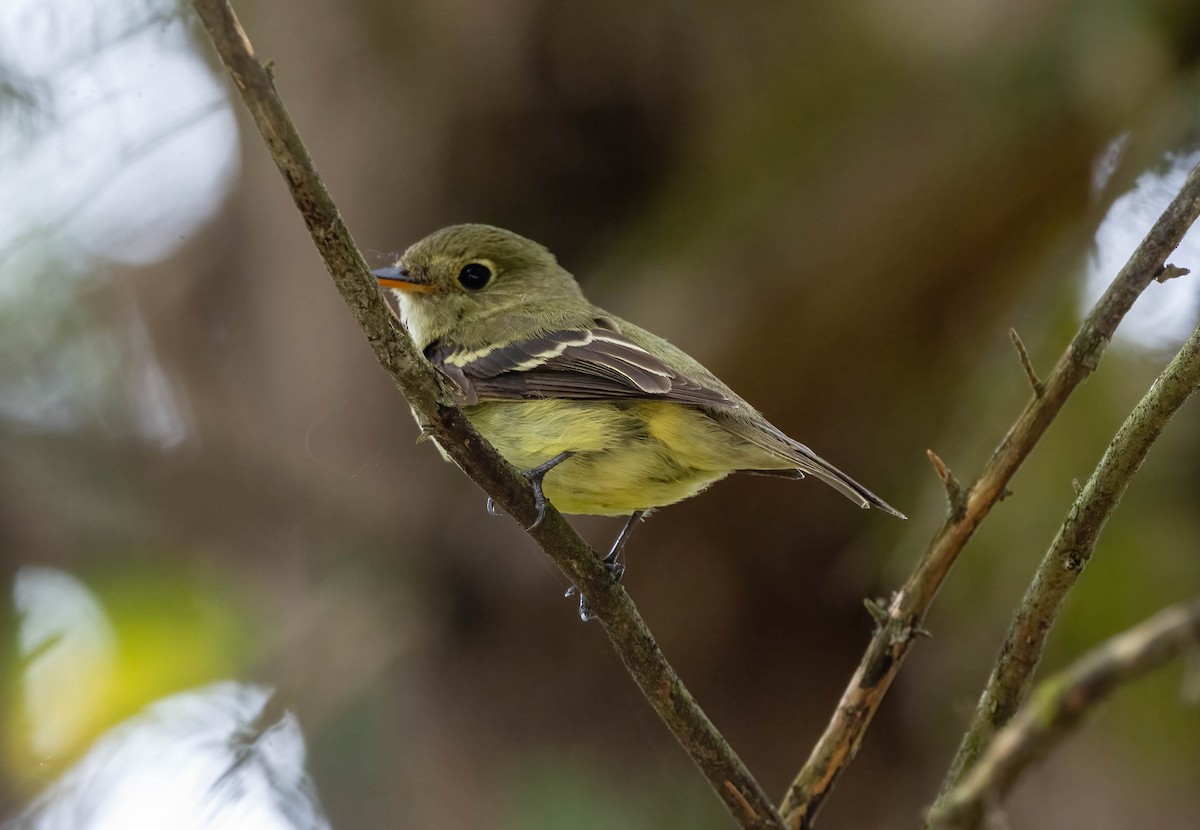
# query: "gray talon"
x,y
534,477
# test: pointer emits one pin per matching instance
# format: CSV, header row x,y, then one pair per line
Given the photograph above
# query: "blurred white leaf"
x,y
67,646
134,147
1106,164
193,761
1165,314
140,144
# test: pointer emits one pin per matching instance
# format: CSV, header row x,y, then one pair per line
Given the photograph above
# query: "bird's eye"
x,y
474,276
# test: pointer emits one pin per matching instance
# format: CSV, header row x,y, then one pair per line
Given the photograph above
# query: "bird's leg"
x,y
611,561
535,475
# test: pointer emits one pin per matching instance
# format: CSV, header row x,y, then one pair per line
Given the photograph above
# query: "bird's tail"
x,y
800,459
820,468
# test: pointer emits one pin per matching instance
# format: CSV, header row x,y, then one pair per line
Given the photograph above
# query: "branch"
x,y
906,612
1070,551
441,419
1058,706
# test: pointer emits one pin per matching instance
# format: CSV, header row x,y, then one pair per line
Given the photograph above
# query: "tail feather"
x,y
801,459
848,487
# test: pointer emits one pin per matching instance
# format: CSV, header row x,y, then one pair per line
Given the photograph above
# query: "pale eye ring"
x,y
474,276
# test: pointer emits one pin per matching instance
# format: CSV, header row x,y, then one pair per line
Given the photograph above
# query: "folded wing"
x,y
581,364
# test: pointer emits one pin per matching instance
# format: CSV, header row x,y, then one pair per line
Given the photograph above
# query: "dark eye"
x,y
474,276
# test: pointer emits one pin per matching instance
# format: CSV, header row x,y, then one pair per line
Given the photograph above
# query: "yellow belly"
x,y
629,456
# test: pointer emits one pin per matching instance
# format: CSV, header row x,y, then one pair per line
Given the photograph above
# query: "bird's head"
x,y
465,275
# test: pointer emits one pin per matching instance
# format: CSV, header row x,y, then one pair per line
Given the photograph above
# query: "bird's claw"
x,y
539,497
613,563
535,476
539,501
615,569
585,610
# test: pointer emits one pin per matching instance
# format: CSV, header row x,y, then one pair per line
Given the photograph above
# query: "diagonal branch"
x,y
440,419
894,637
1070,551
1059,704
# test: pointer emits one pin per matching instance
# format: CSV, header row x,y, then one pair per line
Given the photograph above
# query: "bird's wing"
x,y
767,436
581,364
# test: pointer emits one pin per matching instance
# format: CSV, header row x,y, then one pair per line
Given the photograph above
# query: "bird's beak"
x,y
401,280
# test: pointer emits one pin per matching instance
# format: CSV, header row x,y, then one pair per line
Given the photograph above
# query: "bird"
x,y
603,417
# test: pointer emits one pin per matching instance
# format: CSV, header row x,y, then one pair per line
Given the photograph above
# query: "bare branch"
x,y
1070,551
440,419
892,641
1026,363
1058,706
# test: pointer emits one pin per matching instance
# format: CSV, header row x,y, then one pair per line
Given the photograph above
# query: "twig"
x,y
1170,272
1070,551
892,641
439,418
1026,363
1059,704
955,493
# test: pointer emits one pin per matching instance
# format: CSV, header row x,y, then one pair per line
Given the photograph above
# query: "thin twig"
x,y
955,494
1058,706
1026,363
892,641
1070,551
440,419
1170,272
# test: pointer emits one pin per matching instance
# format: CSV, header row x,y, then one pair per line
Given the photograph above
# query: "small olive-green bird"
x,y
604,417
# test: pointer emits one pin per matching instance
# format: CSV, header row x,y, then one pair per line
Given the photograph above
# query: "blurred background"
x,y
238,594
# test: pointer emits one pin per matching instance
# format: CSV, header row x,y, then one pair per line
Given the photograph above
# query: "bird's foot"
x,y
534,477
585,610
612,561
615,569
539,500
